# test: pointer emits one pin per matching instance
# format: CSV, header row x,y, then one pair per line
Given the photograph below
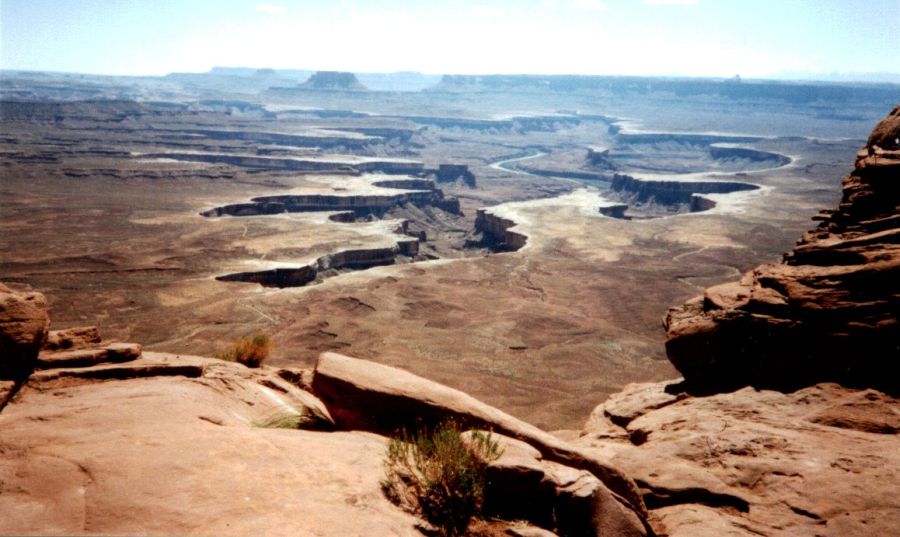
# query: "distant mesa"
x,y
333,81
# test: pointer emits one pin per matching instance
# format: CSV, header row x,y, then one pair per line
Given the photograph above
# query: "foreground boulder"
x,y
23,329
362,395
828,312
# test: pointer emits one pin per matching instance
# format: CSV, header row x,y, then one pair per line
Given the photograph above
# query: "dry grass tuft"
x,y
250,351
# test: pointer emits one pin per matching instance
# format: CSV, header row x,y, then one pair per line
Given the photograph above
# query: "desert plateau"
x,y
667,306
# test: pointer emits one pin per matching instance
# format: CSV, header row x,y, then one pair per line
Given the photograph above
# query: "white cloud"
x,y
588,5
670,2
271,9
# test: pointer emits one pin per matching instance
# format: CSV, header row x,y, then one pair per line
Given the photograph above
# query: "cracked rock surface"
x,y
819,461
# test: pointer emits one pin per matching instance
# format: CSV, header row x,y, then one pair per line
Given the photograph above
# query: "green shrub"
x,y
250,351
443,473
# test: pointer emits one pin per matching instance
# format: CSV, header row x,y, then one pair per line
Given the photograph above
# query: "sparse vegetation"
x,y
250,351
284,420
440,473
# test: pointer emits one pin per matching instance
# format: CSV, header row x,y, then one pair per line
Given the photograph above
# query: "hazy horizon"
x,y
830,40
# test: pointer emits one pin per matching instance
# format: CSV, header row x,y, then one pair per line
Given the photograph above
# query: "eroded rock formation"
x,y
447,173
363,395
418,192
828,312
23,329
598,157
298,276
496,231
671,192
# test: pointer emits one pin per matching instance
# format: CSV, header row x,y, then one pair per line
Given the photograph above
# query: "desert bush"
x,y
250,351
442,472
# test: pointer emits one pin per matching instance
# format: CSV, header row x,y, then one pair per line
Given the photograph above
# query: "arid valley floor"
x,y
104,182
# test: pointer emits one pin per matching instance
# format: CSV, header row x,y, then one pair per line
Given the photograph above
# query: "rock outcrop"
x,y
886,135
213,449
417,192
523,485
81,336
23,329
671,192
819,461
362,395
786,422
300,275
448,173
496,231
828,312
598,157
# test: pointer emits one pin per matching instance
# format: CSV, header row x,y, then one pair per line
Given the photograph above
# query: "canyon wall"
x,y
828,312
672,192
496,230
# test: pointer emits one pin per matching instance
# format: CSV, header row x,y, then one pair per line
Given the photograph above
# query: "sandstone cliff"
x,y
827,312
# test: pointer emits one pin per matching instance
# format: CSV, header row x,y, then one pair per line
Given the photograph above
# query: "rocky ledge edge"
x,y
99,437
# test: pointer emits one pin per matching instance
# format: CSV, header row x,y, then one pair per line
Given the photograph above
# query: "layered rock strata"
x,y
418,192
828,312
673,192
448,173
301,275
497,231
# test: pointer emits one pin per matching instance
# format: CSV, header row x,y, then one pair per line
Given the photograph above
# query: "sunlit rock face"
x,y
828,312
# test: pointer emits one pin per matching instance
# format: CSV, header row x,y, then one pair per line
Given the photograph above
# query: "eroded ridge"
x,y
367,196
329,265
372,196
674,192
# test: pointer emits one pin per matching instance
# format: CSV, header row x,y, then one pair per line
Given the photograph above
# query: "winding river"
x,y
508,165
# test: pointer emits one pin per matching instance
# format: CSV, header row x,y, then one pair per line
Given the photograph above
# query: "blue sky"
x,y
758,38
